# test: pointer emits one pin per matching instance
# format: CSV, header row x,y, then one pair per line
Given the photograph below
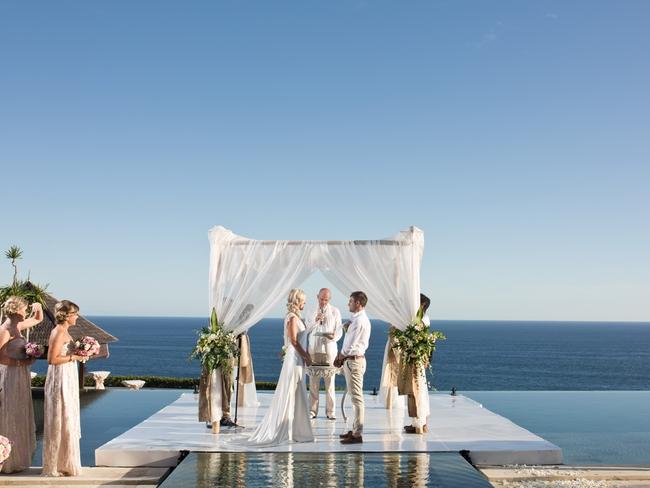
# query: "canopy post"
x,y
237,379
82,372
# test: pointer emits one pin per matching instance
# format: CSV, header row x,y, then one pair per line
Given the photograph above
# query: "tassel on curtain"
x,y
390,376
246,375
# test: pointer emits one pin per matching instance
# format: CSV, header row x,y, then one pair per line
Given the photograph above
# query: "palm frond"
x,y
25,289
13,253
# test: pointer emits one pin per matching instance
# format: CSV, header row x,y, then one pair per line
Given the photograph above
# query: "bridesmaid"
x,y
16,409
61,454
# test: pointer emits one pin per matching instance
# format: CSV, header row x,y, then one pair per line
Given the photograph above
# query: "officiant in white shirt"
x,y
326,330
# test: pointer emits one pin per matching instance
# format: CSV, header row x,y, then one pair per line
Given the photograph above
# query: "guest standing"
x,y
16,410
418,390
62,431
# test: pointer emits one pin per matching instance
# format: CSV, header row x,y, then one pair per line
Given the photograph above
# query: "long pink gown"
x,y
17,414
62,430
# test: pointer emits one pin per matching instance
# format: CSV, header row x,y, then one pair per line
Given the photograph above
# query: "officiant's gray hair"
x,y
294,298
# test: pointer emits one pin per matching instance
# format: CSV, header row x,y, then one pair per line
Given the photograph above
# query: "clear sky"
x,y
515,134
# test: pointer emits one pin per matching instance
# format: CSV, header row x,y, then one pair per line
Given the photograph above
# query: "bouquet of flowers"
x,y
215,347
416,342
5,449
86,346
33,350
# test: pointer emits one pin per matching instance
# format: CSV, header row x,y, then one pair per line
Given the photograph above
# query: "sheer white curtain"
x,y
248,277
388,271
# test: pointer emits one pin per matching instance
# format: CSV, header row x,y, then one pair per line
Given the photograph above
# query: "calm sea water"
x,y
477,355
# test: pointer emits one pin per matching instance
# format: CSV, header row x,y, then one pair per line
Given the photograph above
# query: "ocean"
x,y
477,355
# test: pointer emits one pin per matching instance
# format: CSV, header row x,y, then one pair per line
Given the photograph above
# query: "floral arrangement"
x,y
5,449
282,353
416,342
215,347
86,346
33,350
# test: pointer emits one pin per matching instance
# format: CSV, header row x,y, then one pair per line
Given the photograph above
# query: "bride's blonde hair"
x,y
293,301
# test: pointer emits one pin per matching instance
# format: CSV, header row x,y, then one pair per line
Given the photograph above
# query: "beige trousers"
x,y
354,370
314,387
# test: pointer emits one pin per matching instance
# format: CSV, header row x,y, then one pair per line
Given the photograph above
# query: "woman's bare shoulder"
x,y
56,333
291,318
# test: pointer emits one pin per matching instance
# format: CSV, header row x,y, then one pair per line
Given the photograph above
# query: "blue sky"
x,y
515,134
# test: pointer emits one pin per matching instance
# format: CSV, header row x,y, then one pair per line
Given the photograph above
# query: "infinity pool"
x,y
591,427
105,414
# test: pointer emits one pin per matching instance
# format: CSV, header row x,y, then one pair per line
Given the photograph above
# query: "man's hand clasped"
x,y
338,362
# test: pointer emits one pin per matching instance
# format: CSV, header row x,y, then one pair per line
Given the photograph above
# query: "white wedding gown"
x,y
288,416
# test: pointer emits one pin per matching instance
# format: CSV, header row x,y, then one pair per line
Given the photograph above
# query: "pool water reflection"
x,y
442,470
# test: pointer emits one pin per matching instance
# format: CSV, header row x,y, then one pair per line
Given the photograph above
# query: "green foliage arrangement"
x,y
416,342
215,347
26,289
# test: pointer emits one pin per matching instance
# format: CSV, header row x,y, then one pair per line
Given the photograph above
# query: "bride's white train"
x,y
287,419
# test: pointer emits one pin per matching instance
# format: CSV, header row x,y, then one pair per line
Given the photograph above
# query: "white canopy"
x,y
248,277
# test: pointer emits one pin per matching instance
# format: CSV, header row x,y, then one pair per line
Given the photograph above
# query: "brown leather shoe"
x,y
353,439
416,430
346,435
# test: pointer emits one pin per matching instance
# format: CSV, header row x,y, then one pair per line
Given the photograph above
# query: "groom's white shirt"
x,y
358,335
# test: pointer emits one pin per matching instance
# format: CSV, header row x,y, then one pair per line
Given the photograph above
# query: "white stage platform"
x,y
456,423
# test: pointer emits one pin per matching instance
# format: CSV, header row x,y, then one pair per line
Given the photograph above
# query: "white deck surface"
x,y
456,423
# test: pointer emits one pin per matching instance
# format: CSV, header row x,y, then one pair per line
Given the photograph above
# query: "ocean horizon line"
x,y
433,320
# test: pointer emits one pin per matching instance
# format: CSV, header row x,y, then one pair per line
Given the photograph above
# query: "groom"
x,y
352,358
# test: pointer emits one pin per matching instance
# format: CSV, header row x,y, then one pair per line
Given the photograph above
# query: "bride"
x,y
288,416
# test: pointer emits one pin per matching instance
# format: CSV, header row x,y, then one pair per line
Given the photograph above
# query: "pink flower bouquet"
x,y
87,347
5,449
33,350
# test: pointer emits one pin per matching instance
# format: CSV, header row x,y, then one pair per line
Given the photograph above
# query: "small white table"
x,y
133,384
317,372
99,377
